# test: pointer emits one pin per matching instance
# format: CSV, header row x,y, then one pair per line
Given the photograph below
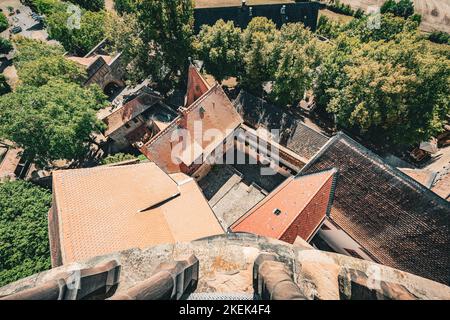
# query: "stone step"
x,y
234,180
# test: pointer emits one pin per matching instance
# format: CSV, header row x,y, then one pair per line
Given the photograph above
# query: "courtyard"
x,y
233,189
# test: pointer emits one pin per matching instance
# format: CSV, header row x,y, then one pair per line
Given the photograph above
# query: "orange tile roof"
x,y
196,87
301,204
127,112
214,111
108,209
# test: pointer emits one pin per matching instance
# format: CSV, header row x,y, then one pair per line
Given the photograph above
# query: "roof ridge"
x,y
396,172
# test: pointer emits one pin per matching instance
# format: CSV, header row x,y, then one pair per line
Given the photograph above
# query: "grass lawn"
x,y
336,17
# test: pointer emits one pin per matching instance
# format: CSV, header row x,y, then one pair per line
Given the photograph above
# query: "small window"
x,y
277,212
135,120
127,126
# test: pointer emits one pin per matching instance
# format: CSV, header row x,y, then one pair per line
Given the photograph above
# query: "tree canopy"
x,y
258,43
168,25
400,8
38,62
4,86
91,5
51,122
24,245
5,46
125,6
29,50
156,39
40,72
297,55
396,91
219,46
45,6
123,34
260,54
4,24
78,41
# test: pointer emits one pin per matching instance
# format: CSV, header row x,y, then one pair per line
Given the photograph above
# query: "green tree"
x,y
297,55
125,6
327,28
24,245
390,27
4,86
38,62
40,72
5,46
81,40
219,47
439,37
91,5
45,6
258,44
123,34
400,8
29,50
118,157
167,25
51,122
393,92
4,24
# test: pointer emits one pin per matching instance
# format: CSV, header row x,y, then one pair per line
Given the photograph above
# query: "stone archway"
x,y
112,89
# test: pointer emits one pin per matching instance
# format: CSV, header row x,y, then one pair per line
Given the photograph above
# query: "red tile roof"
x,y
129,111
296,208
197,86
214,111
400,222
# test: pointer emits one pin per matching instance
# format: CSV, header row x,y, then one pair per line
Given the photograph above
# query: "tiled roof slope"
x,y
196,87
129,111
295,135
305,141
213,111
302,202
400,222
108,209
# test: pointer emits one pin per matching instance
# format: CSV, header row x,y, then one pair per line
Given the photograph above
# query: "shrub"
x,y
4,24
116,158
402,8
439,37
5,46
4,86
